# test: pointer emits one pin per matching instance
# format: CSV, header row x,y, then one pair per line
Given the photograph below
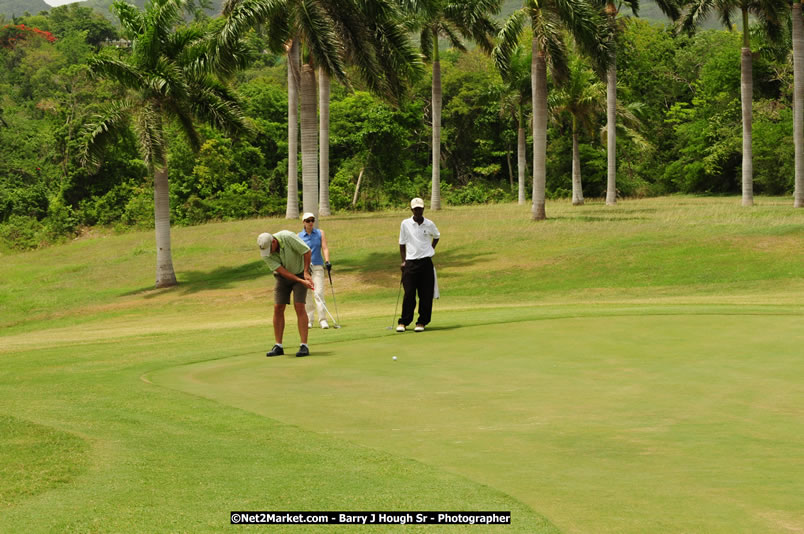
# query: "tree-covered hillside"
x,y
17,8
680,131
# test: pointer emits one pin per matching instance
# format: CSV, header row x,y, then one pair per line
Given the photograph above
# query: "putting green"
x,y
662,423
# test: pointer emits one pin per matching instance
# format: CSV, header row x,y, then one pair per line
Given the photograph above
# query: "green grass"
x,y
627,369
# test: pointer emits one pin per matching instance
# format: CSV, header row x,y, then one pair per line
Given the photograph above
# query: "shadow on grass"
x,y
598,218
221,278
382,268
379,269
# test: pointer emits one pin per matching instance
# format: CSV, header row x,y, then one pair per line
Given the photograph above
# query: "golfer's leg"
x,y
318,281
301,314
425,286
409,300
309,308
279,322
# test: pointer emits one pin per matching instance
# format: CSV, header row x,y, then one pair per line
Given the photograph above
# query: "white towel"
x,y
435,281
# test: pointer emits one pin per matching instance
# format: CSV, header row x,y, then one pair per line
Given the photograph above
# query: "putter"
x,y
399,294
335,323
333,297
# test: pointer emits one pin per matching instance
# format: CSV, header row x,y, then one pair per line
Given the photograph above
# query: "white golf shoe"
x,y
419,328
400,328
324,324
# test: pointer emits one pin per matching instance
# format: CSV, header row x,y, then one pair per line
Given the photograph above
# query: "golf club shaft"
x,y
332,288
321,302
399,294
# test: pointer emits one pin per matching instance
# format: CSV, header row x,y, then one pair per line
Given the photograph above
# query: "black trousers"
x,y
418,278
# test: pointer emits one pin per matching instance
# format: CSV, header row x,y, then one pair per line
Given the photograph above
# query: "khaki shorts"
x,y
284,287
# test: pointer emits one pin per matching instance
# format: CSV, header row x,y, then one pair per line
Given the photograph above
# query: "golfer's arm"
x,y
435,242
289,275
402,251
307,256
324,247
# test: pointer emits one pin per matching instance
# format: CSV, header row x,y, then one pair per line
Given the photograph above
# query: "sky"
x,y
55,3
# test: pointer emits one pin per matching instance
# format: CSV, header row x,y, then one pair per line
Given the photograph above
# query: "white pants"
x,y
316,303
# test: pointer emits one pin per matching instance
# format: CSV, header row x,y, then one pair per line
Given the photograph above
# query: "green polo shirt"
x,y
290,254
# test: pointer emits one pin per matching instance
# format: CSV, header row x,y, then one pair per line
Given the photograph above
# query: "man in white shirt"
x,y
418,238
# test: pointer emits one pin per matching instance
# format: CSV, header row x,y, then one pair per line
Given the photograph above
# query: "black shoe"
x,y
276,351
303,351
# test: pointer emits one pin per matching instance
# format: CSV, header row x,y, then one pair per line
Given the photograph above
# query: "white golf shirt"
x,y
418,238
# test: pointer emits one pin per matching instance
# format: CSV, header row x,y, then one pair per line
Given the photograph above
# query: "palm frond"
x,y
317,33
104,128
508,40
119,71
243,15
131,19
589,30
453,35
697,12
219,108
147,127
550,40
426,43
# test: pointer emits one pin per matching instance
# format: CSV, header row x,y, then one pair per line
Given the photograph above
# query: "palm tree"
x,y
294,77
515,101
591,33
454,21
669,8
581,97
323,142
798,104
171,75
330,34
768,13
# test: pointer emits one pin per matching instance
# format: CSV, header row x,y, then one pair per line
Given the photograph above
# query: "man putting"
x,y
418,238
289,259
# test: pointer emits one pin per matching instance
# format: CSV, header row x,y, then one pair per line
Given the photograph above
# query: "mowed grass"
x,y
627,369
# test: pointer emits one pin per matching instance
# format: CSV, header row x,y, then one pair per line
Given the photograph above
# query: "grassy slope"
x,y
82,332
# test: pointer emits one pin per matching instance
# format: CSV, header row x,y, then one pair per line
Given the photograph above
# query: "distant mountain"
x,y
102,7
11,8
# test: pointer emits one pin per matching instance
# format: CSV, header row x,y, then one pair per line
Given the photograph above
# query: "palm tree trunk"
x,y
538,80
521,156
323,139
611,127
435,197
292,211
165,276
309,140
798,104
510,168
577,189
357,187
747,97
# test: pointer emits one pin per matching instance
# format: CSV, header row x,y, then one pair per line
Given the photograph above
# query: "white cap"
x,y
416,203
264,241
307,216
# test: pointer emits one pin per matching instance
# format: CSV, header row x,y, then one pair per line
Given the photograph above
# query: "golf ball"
x,y
394,357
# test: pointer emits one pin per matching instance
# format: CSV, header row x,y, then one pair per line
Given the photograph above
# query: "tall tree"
x,y
516,100
455,22
294,80
586,25
330,34
172,74
580,97
612,9
798,104
769,15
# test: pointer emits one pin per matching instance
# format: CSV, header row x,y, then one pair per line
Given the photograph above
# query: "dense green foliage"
x,y
683,90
